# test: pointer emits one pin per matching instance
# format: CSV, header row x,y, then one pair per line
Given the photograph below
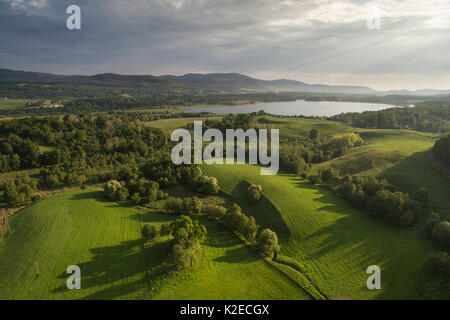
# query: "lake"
x,y
297,108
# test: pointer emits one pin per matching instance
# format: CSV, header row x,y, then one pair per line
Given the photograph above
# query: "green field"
x,y
15,103
300,127
103,239
401,157
333,242
229,270
172,124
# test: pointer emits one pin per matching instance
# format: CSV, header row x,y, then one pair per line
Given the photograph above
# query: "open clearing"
x,y
83,228
333,242
401,157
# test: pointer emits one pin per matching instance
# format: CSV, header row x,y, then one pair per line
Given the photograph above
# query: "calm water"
x,y
299,107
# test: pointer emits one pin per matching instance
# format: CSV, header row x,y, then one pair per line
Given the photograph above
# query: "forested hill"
x,y
213,82
441,150
426,118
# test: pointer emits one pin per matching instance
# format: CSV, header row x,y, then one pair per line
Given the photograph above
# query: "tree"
x,y
387,205
166,229
441,234
150,232
422,196
192,205
314,134
431,222
250,230
187,232
439,262
111,188
407,218
254,192
314,179
267,242
329,176
208,185
214,212
174,205
184,257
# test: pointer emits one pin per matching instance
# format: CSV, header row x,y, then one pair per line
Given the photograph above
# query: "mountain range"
x,y
217,82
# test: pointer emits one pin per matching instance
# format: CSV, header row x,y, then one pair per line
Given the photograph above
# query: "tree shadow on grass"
x,y
96,195
424,176
264,212
238,255
113,269
151,217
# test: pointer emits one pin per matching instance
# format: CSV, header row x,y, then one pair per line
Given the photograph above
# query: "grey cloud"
x,y
178,36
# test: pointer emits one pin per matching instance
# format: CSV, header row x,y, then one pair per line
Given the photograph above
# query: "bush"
x,y
254,192
441,234
431,222
192,205
36,198
174,205
208,185
150,232
407,218
314,179
267,242
165,230
439,262
184,257
214,212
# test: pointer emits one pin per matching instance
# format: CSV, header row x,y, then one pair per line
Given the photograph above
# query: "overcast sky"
x,y
321,41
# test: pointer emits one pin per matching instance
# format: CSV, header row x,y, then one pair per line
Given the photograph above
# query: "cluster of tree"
x,y
297,155
193,178
190,205
235,220
254,192
384,202
17,153
20,191
421,118
232,121
138,191
441,150
88,149
440,263
438,231
187,235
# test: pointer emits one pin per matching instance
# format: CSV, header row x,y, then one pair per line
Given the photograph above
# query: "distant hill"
x,y
217,82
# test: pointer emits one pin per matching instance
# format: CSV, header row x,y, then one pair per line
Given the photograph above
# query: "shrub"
x,y
267,242
150,232
314,179
174,205
165,230
441,234
254,192
192,205
214,212
431,222
208,185
439,262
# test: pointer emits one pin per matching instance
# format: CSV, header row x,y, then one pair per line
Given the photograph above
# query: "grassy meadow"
x,y
333,242
83,228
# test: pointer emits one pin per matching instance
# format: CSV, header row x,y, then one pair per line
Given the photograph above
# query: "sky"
x,y
384,44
